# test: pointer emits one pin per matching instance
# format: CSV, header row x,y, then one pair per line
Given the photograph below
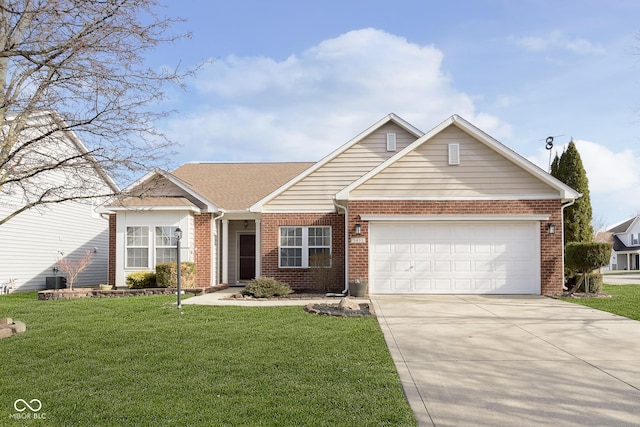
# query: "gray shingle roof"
x,y
621,228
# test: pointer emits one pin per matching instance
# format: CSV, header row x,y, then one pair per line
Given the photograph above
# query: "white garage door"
x,y
454,257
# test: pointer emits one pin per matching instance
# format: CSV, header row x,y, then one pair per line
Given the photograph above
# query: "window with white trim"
x,y
165,244
137,247
298,244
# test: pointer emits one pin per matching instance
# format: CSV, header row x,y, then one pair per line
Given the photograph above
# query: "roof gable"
x,y
209,187
236,186
315,168
417,154
160,189
624,227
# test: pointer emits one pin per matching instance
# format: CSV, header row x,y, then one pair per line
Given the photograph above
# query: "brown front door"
x,y
247,259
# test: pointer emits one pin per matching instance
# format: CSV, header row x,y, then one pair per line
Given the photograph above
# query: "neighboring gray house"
x,y
626,245
34,240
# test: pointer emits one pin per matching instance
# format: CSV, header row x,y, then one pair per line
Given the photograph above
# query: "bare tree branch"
x,y
74,70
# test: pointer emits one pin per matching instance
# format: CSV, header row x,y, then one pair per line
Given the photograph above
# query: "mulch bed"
x,y
295,295
80,292
332,310
320,308
578,295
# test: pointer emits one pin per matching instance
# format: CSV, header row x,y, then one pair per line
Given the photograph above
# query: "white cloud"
x,y
303,107
557,40
614,179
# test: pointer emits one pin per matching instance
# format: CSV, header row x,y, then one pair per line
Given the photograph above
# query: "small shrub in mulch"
x,y
264,287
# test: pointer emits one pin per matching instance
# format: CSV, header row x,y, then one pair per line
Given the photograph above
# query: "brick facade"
x,y
202,246
551,249
301,278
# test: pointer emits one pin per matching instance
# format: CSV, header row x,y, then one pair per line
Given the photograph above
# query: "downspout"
x,y
564,205
218,244
346,245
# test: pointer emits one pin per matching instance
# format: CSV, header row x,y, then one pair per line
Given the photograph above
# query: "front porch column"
x,y
258,252
225,251
628,261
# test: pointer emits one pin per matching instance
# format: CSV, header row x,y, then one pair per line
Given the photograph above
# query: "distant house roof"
x,y
622,227
236,186
618,246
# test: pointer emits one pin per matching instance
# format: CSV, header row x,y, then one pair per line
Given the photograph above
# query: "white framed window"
x,y
298,244
137,247
319,246
165,244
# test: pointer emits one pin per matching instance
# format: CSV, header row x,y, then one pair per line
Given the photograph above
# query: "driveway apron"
x,y
512,360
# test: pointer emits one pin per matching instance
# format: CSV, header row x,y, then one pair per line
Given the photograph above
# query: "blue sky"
x,y
293,80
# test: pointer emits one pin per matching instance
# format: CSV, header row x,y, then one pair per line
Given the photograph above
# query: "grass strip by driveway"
x,y
624,301
138,361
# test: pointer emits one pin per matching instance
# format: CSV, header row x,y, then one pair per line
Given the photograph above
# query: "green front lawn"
x,y
138,361
624,301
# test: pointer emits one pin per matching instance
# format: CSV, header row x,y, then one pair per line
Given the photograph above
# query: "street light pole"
x,y
178,236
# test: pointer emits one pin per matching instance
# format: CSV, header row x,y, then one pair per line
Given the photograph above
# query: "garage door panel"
x,y
462,266
483,285
422,285
382,248
422,248
462,285
442,248
481,248
454,257
402,285
422,266
441,266
401,266
482,266
443,285
382,267
460,248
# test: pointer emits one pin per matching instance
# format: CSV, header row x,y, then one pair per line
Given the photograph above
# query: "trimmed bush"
x,y
595,282
585,257
141,279
263,287
167,276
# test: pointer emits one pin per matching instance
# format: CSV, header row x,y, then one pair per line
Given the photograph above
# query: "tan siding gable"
x,y
315,192
425,172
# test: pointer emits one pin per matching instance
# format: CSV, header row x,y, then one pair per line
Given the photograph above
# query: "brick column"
x,y
203,249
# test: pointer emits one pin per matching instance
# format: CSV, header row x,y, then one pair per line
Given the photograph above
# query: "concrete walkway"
x,y
512,361
622,279
218,298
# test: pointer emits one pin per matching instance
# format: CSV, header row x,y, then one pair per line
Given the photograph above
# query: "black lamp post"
x,y
178,235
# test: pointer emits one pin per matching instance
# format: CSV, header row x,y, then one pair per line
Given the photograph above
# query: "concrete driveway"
x,y
512,361
622,279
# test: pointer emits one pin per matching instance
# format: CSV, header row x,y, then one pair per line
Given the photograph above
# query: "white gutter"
x,y
346,245
217,260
